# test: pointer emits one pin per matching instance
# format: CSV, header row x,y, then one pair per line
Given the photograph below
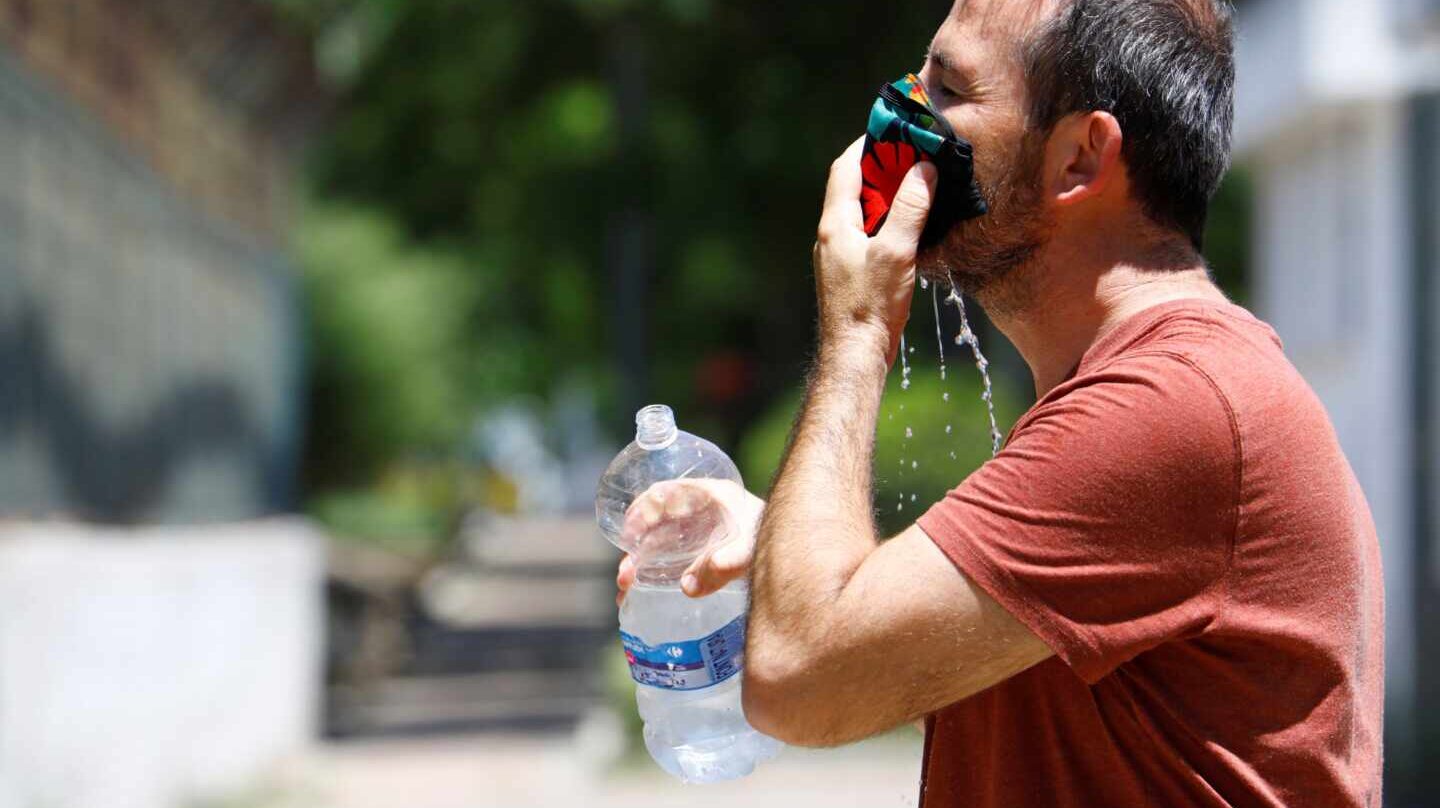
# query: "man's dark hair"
x,y
1166,70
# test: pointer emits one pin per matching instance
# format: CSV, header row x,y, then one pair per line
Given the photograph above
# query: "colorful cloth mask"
x,y
904,128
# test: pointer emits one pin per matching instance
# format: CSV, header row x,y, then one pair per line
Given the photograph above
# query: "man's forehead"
x,y
1010,19
980,32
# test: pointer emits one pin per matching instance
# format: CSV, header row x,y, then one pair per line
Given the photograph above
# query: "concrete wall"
x,y
155,667
149,351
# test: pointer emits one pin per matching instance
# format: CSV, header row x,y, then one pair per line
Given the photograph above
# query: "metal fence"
x,y
148,351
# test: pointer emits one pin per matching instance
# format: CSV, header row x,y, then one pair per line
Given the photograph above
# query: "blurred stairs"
x,y
507,634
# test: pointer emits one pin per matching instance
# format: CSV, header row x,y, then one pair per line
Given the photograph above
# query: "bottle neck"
x,y
655,427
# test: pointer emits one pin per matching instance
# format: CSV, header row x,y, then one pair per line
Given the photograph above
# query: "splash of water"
x,y
904,364
939,339
967,337
904,385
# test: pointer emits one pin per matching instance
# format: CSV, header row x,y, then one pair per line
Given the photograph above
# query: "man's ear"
x,y
1083,156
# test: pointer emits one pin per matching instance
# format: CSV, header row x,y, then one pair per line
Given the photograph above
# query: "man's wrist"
x,y
857,348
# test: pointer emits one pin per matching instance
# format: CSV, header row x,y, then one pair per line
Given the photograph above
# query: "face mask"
x,y
904,128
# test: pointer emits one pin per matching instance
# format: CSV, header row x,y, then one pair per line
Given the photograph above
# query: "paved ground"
x,y
518,771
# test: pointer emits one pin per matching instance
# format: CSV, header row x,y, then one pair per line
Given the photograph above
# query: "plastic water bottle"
x,y
685,654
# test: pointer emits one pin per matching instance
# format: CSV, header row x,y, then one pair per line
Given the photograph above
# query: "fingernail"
x,y
689,584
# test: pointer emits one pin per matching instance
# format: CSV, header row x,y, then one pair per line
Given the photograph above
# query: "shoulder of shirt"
x,y
1172,371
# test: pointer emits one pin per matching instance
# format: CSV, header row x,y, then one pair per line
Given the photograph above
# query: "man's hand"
x,y
687,506
864,284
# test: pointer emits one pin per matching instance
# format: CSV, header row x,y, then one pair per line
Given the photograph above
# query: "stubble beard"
x,y
995,258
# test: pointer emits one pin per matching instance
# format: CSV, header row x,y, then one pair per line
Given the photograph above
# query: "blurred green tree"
x,y
492,131
621,193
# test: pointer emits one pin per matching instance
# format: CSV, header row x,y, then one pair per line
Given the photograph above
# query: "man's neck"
x,y
1071,296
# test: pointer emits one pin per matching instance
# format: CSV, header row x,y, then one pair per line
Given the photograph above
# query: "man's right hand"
x,y
670,505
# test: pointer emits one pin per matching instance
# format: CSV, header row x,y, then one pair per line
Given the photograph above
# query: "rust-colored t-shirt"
x,y
1177,521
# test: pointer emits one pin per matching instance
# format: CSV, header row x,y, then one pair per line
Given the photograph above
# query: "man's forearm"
x,y
818,526
817,536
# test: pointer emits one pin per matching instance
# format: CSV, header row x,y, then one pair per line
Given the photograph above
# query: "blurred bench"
x,y
507,632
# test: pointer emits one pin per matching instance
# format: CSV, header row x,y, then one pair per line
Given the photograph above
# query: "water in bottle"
x,y
685,653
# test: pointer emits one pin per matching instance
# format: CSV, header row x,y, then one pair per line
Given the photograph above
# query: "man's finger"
x,y
624,578
648,508
680,503
842,191
703,578
901,232
717,567
733,556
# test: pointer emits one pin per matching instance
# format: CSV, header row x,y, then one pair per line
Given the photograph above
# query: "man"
x,y
1165,589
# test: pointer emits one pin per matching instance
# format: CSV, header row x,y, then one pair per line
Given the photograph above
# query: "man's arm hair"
x,y
849,637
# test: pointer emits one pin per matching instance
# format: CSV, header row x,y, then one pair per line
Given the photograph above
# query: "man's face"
x,y
974,79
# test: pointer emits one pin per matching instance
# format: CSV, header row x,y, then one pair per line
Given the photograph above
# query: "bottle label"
x,y
688,665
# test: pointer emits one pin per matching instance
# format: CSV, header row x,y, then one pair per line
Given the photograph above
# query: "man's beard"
x,y
977,253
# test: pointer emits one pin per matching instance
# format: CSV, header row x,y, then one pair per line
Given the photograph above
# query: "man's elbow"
x,y
779,702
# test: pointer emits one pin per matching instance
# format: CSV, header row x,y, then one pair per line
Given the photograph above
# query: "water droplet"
x,y
909,433
945,396
912,349
914,464
912,497
904,384
924,284
952,455
947,429
900,507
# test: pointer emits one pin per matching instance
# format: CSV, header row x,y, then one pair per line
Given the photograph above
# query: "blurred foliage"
x,y
926,411
388,328
1227,235
471,185
485,138
411,510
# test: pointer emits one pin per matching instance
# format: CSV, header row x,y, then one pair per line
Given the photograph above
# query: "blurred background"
x,y
319,320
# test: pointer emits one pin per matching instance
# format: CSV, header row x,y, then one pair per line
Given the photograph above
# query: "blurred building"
x,y
148,384
1338,119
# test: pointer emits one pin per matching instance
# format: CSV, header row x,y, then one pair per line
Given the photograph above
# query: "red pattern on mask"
x,y
882,167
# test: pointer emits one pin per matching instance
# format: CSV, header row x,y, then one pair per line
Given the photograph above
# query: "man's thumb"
x,y
912,204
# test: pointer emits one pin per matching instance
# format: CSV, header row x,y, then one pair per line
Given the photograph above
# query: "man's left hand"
x,y
864,284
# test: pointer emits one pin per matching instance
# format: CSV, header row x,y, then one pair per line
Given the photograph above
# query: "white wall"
x,y
155,667
1294,57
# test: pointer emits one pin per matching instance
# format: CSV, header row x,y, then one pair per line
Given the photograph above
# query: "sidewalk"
x,y
519,771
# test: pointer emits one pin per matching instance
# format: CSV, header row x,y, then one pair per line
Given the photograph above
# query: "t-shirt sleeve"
x,y
1107,523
